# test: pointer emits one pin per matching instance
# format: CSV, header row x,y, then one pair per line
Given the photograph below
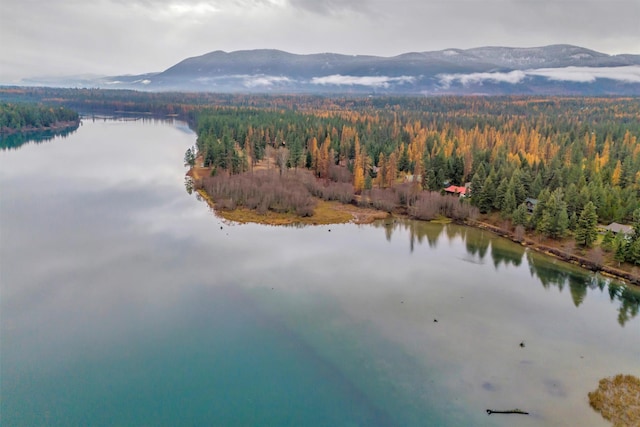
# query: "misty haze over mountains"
x,y
553,70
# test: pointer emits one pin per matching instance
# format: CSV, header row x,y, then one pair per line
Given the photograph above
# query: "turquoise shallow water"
x,y
124,301
216,360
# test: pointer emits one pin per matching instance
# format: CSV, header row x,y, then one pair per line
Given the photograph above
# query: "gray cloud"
x,y
332,7
466,79
629,74
373,81
53,37
263,81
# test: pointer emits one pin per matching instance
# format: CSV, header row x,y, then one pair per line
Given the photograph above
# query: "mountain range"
x,y
555,69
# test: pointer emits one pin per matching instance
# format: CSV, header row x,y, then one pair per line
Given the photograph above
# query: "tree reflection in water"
x,y
549,271
16,140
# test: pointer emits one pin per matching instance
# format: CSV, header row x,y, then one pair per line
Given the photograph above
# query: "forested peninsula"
x,y
27,117
562,174
559,174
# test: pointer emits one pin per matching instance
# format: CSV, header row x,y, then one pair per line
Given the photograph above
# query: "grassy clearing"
x,y
324,213
441,220
618,400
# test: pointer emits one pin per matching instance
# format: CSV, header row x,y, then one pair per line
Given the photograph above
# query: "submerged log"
x,y
512,411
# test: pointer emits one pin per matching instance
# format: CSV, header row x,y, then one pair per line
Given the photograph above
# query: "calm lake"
x,y
125,301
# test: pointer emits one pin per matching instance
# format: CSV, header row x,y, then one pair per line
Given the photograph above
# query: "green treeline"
x,y
17,117
578,158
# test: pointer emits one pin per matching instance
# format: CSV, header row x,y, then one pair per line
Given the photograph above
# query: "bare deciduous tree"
x,y
269,154
262,191
282,157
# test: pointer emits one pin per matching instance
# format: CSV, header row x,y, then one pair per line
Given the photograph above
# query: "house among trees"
x,y
531,204
616,228
455,190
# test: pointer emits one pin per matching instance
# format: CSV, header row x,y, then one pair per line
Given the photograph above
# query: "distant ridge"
x,y
554,69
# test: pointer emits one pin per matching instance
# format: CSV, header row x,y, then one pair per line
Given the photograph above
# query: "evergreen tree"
x,y
572,198
295,153
368,183
476,183
481,172
308,163
607,241
518,187
627,172
509,203
476,189
597,194
633,252
236,163
439,179
586,229
439,166
554,221
538,210
583,199
488,194
526,181
520,215
432,180
636,224
573,221
501,191
620,244
536,186
457,170
633,249
403,161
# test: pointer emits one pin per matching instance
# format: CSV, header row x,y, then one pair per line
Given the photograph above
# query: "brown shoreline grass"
x,y
325,213
618,400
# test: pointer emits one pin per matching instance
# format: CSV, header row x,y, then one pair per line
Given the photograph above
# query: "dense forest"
x,y
17,117
556,167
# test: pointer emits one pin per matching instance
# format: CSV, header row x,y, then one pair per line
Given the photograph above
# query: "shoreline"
x,y
360,215
627,277
56,127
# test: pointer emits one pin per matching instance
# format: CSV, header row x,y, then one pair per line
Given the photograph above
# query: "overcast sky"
x,y
71,37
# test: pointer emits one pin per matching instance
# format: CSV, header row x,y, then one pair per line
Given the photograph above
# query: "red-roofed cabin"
x,y
453,189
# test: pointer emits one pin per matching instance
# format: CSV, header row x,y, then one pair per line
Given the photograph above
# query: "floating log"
x,y
512,411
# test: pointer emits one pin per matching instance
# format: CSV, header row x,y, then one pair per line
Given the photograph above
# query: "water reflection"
x,y
504,253
630,301
417,232
141,117
16,140
477,244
